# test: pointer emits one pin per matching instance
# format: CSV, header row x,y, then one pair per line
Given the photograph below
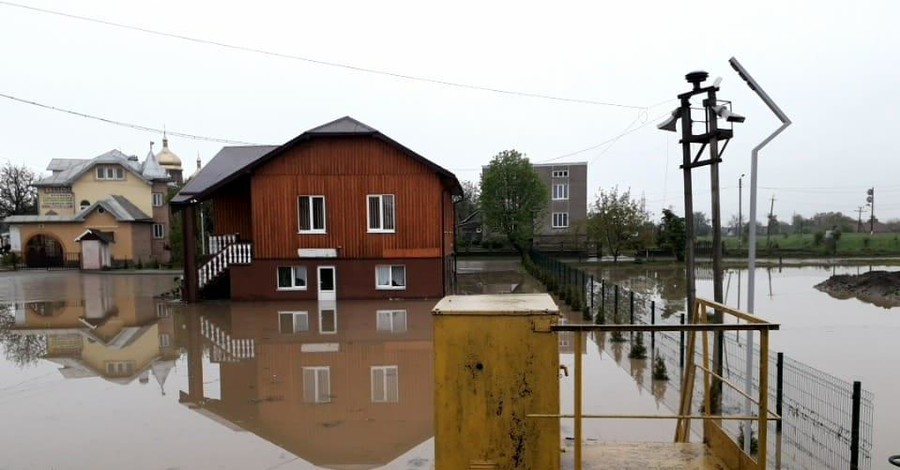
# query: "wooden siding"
x,y
231,209
345,170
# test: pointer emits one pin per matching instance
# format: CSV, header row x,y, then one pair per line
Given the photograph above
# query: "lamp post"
x,y
751,258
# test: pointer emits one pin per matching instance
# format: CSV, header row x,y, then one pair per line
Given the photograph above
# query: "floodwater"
x,y
96,372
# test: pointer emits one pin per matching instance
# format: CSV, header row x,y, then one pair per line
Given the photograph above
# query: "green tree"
x,y
672,234
702,225
616,219
17,195
468,205
513,198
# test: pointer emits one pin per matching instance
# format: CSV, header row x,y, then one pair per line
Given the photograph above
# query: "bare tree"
x,y
17,195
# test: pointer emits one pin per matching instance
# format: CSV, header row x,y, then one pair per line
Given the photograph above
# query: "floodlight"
x,y
717,82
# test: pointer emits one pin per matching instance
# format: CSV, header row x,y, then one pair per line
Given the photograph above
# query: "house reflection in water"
x,y
103,331
340,385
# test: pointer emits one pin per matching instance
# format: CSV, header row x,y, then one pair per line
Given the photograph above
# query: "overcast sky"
x,y
831,66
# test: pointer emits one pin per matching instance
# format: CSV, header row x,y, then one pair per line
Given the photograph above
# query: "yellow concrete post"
x,y
496,361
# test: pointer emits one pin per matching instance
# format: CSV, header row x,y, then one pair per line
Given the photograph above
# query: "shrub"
x,y
818,237
638,350
659,369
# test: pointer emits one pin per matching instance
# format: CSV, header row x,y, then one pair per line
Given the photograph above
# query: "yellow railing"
x,y
722,447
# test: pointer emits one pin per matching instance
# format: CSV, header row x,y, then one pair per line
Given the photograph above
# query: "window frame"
x,y
316,399
312,216
294,314
553,220
333,311
293,286
109,173
560,173
561,191
392,322
390,279
385,395
381,219
158,200
162,233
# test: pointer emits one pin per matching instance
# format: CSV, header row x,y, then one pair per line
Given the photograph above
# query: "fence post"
x,y
592,294
681,347
603,297
653,322
631,306
779,398
854,428
616,303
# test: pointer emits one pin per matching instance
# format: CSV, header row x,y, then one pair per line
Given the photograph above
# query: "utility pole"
x,y
713,110
859,212
769,225
871,200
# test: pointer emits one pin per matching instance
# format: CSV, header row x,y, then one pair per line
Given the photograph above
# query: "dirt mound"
x,y
881,288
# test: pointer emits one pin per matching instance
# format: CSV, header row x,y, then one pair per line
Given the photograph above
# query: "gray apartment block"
x,y
564,222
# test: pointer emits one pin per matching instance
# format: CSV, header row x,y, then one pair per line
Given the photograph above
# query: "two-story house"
x,y
340,212
110,209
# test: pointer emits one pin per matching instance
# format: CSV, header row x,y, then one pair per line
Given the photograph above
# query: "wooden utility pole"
x,y
859,211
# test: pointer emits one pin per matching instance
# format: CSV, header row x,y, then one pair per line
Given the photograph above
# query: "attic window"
x,y
101,210
84,204
110,173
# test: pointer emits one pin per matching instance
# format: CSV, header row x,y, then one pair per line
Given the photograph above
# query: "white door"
x,y
90,254
327,283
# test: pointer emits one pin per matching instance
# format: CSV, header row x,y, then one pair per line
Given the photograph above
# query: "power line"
x,y
608,141
126,124
327,63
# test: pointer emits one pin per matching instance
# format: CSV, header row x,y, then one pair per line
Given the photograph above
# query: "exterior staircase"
x,y
224,348
225,250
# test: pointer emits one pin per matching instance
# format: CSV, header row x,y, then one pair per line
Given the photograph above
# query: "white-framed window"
x,y
390,276
165,340
311,214
293,322
292,278
162,310
381,213
560,220
110,173
120,368
561,191
327,321
385,384
393,321
159,231
560,173
158,199
317,384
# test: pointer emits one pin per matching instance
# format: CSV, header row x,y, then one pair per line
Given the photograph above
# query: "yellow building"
x,y
108,210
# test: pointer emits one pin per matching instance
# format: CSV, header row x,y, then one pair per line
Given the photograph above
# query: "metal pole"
x,y
579,347
631,306
740,218
652,322
751,258
681,345
854,427
779,399
616,304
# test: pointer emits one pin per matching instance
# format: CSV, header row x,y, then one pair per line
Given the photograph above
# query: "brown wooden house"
x,y
340,212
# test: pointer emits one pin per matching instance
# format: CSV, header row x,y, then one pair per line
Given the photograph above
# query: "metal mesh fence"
x,y
817,408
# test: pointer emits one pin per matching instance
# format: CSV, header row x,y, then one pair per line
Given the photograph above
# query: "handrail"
x,y
694,327
725,381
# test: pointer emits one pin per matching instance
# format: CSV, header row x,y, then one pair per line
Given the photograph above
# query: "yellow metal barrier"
x,y
720,444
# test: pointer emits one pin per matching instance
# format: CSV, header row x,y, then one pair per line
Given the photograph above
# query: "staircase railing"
x,y
236,253
217,243
225,348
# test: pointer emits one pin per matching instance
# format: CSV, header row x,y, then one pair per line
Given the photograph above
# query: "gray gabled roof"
x,y
224,165
243,160
119,207
67,170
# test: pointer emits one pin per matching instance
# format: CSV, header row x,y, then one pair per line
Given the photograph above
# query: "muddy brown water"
x,y
97,373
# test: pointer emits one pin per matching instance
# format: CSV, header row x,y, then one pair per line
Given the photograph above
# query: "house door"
x,y
327,288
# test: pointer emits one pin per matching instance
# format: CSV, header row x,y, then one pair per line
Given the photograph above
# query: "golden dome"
x,y
166,158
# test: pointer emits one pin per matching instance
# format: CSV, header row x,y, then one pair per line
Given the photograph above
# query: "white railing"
x,y
218,243
237,253
225,348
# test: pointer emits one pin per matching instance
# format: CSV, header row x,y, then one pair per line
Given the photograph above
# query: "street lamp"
x,y
751,258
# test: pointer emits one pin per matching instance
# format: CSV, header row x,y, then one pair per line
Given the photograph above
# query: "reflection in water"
x,y
99,332
340,385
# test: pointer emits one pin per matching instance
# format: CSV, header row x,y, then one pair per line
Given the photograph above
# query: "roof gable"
x,y
117,206
243,160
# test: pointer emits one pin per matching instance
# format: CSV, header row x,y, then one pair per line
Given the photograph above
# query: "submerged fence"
x,y
826,422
